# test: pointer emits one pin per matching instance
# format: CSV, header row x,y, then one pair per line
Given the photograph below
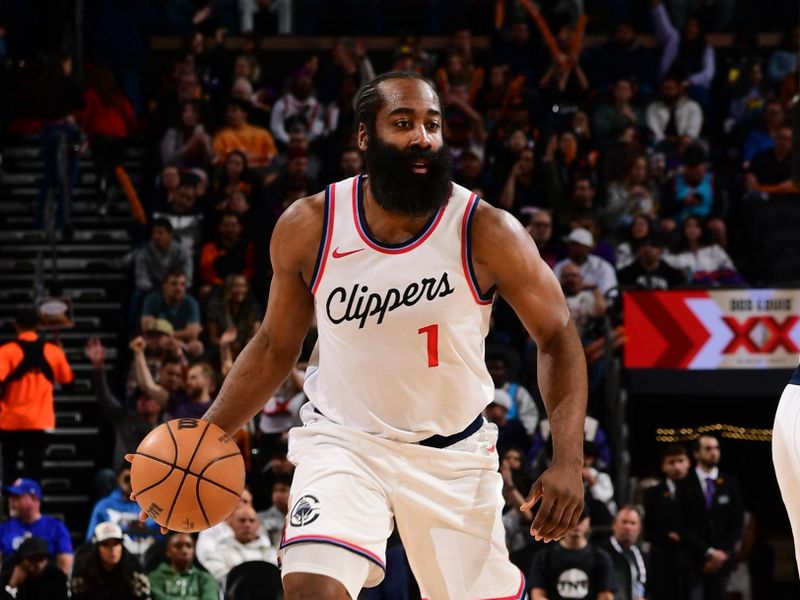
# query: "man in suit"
x,y
711,506
626,555
662,527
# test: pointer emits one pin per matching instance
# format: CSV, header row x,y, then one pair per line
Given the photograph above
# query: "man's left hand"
x,y
560,489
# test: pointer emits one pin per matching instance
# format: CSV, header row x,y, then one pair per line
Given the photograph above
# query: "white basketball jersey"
x,y
401,327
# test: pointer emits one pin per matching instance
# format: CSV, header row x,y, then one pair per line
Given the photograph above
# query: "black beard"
x,y
395,186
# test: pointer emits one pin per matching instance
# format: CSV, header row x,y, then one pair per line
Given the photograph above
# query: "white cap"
x,y
502,398
107,531
580,236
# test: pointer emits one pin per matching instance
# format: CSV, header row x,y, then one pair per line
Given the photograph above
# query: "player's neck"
x,y
389,227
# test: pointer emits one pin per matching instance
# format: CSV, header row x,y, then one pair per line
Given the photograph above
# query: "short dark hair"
x,y
238,103
673,450
172,273
162,222
694,155
696,442
369,99
284,478
27,318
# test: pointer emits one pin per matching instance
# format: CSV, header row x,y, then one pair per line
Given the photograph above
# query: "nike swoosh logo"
x,y
337,254
491,448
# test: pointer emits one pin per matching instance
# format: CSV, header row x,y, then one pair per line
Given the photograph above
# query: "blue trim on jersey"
x,y
443,441
489,296
362,221
323,240
795,377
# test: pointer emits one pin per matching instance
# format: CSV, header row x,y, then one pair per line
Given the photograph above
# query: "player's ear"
x,y
361,137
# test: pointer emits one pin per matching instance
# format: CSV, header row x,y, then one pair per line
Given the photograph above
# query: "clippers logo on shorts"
x,y
358,304
305,511
573,583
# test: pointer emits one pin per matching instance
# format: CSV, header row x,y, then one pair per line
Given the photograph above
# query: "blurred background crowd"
x,y
638,142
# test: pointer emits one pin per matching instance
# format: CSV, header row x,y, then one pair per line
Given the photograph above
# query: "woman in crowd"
x,y
703,261
107,571
634,195
235,308
187,144
641,228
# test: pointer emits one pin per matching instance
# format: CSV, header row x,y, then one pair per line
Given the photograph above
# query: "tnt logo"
x,y
761,335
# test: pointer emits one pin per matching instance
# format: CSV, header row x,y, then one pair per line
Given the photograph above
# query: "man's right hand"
x,y
137,344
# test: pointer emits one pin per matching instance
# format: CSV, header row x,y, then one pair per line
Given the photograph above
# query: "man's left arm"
x,y
62,548
505,256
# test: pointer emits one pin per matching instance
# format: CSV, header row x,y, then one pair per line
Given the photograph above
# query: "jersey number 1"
x,y
433,343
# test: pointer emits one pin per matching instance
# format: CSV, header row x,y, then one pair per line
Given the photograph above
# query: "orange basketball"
x,y
187,475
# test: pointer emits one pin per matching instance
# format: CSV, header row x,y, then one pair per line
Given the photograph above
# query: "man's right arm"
x,y
269,357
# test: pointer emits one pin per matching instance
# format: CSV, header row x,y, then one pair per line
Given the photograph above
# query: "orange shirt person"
x,y
28,372
238,134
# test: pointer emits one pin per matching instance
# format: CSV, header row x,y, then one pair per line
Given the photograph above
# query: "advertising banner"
x,y
712,329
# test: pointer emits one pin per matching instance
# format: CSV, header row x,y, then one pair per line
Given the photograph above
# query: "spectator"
x,y
521,189
597,483
649,271
274,518
24,502
626,555
783,60
246,544
166,190
595,270
611,119
692,192
233,306
208,539
108,571
29,366
503,364
572,568
702,261
634,196
517,522
510,432
256,143
229,255
191,402
351,163
59,97
770,173
184,213
119,510
641,228
711,505
282,411
584,302
673,118
761,139
108,119
621,57
178,578
749,103
662,528
299,105
233,177
187,145
687,54
31,576
540,227
175,305
161,255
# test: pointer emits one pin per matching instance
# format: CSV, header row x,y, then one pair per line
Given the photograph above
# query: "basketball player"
x,y
786,457
400,267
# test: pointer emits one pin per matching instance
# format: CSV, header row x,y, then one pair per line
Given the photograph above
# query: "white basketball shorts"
x,y
447,504
786,456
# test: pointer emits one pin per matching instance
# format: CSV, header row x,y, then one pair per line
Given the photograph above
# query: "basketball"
x,y
187,475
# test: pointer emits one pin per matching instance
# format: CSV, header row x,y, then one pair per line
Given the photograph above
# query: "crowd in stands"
x,y
631,165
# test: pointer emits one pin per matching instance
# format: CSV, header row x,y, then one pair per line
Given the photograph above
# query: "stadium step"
x,y
93,269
